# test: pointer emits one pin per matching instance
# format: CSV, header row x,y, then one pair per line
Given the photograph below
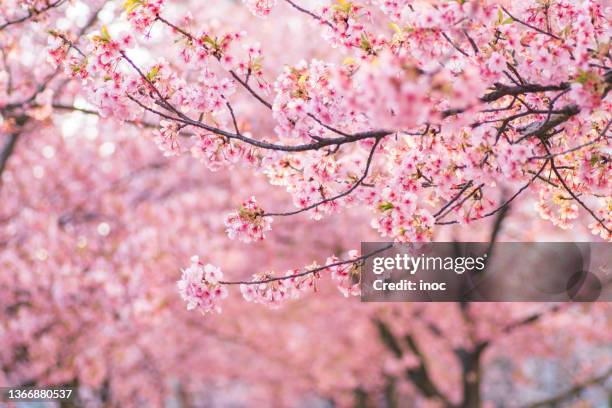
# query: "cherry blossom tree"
x,y
245,149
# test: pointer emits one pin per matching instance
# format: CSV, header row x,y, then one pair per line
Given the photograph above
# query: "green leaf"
x,y
585,76
152,74
366,45
385,206
595,159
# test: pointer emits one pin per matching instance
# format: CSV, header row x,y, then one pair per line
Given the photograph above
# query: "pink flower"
x,y
260,8
496,62
347,276
142,14
199,286
248,223
126,40
166,138
269,290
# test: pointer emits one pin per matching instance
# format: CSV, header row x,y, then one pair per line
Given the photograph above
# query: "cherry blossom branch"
x,y
455,46
502,90
569,190
182,118
602,135
31,13
471,41
530,26
43,85
505,204
460,203
231,111
338,196
243,83
310,13
246,86
550,124
162,100
233,73
455,198
357,260
22,120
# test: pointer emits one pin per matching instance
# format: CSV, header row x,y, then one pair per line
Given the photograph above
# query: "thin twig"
x,y
336,197
309,271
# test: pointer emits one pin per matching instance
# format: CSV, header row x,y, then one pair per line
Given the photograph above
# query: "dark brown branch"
x,y
530,319
501,207
539,30
309,271
231,111
338,196
572,392
505,90
455,46
32,13
7,150
601,136
472,42
310,13
460,203
246,86
419,376
455,198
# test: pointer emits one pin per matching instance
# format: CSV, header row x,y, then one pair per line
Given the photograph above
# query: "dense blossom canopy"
x,y
255,144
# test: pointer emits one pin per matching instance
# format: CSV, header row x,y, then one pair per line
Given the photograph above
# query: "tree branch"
x,y
572,392
309,271
31,13
569,190
419,376
338,196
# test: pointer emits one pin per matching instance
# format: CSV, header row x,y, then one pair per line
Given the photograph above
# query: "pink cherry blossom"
x,y
248,224
199,286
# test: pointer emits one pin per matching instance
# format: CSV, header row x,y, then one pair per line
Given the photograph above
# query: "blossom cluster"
x,y
400,218
199,286
272,292
346,275
216,151
346,24
306,98
249,223
142,13
260,8
166,138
